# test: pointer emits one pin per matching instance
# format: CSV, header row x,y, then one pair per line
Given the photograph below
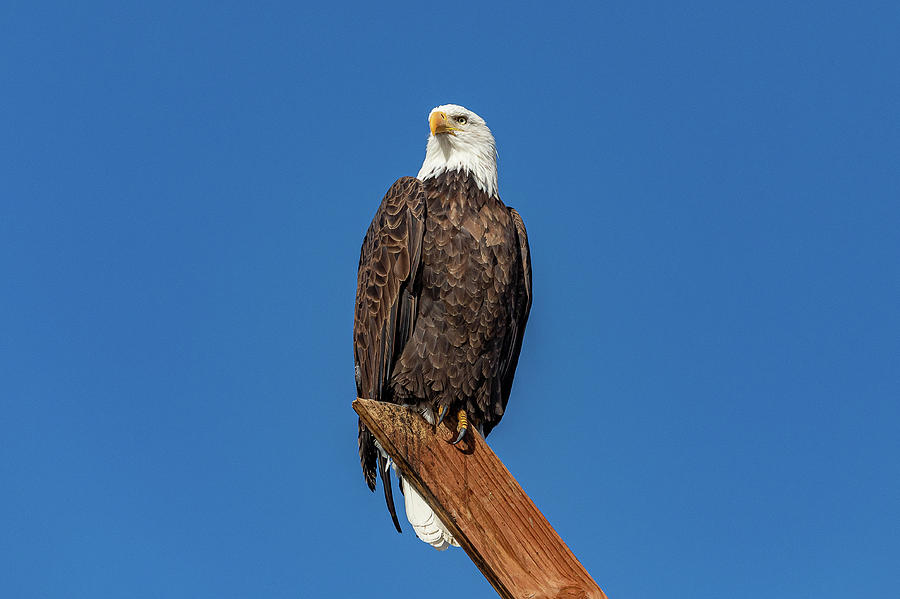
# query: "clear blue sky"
x,y
707,400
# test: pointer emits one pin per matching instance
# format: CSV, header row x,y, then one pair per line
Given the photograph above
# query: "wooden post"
x,y
484,507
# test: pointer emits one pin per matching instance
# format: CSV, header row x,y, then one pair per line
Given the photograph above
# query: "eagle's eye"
x,y
462,120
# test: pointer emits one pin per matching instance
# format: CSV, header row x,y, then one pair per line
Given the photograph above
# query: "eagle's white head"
x,y
460,140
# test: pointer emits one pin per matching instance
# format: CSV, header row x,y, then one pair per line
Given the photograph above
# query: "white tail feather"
x,y
424,521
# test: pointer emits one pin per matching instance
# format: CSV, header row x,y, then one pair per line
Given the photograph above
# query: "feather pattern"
x,y
473,303
385,307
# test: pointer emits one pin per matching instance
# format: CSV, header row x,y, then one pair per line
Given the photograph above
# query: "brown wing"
x,y
521,309
385,299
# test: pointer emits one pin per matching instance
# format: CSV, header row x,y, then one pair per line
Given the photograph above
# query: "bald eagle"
x,y
443,295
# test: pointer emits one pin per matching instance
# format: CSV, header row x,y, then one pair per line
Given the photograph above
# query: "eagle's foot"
x,y
461,425
441,413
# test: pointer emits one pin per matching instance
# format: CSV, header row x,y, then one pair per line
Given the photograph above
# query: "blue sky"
x,y
707,400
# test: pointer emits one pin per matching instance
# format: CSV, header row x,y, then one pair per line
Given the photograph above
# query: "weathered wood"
x,y
482,504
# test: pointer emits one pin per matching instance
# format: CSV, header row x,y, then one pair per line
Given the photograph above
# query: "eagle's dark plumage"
x,y
443,295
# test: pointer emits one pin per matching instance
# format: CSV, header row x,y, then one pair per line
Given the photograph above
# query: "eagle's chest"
x,y
469,255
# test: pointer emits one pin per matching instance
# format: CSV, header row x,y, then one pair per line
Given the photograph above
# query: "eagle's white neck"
x,y
470,151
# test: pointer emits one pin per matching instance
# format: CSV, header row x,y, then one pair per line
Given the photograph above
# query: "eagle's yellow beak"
x,y
439,124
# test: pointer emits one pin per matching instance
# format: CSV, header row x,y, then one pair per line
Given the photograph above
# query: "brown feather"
x,y
388,261
443,296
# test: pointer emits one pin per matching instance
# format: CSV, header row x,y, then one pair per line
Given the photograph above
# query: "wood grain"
x,y
484,507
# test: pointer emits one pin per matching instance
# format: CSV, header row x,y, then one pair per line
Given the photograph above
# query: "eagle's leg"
x,y
461,425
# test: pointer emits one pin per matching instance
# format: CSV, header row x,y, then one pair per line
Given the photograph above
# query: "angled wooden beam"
x,y
484,507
